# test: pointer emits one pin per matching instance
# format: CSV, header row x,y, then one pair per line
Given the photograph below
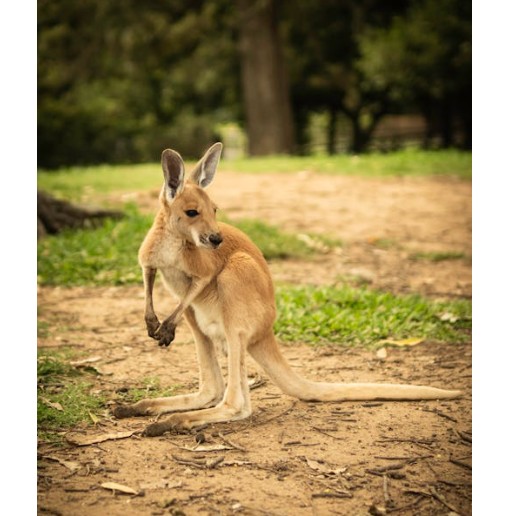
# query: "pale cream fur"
x,y
225,292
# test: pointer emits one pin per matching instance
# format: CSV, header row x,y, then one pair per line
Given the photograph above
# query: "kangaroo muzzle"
x,y
215,239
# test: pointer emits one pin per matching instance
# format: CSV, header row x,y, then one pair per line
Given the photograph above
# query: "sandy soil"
x,y
290,457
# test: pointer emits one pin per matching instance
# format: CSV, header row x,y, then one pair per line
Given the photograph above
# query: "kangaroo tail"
x,y
268,354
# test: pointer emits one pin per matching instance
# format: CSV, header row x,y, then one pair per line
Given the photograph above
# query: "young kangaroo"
x,y
225,292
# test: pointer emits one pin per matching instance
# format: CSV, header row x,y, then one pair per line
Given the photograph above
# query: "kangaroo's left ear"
x,y
205,169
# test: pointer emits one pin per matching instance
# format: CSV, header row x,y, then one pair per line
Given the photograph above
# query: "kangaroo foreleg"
x,y
152,322
166,331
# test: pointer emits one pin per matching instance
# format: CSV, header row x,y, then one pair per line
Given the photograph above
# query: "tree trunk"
x,y
331,144
268,112
55,215
446,122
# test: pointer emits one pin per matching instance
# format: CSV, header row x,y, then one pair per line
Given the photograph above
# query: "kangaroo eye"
x,y
191,213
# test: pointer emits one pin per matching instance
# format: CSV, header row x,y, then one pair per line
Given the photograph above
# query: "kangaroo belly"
x,y
209,320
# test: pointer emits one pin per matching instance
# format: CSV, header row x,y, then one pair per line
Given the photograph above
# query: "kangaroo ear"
x,y
206,167
173,171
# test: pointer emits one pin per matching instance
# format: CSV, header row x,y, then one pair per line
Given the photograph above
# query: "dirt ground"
x,y
290,457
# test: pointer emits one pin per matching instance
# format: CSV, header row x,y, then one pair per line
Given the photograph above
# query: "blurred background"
x,y
120,81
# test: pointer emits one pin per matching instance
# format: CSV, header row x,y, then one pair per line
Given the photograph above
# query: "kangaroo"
x,y
225,292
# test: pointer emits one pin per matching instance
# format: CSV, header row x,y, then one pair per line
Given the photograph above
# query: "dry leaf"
x,y
448,317
85,361
94,418
55,405
208,448
382,353
255,382
412,341
119,487
323,468
80,440
72,466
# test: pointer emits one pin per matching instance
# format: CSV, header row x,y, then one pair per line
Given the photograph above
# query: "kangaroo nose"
x,y
215,239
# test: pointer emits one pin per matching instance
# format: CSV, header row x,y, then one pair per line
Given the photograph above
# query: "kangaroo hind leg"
x,y
235,405
211,383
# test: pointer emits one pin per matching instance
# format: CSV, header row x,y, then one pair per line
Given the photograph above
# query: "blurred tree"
x,y
269,118
372,58
120,84
423,59
324,50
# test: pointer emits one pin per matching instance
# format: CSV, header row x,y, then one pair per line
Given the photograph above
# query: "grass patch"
x,y
72,183
62,386
43,329
408,162
108,255
353,316
274,243
438,256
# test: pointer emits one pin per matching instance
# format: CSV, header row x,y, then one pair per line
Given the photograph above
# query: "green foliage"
x,y
74,183
423,57
274,244
58,382
360,316
116,84
119,85
103,256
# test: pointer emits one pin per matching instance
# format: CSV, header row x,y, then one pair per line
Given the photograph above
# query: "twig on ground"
x,y
460,463
231,443
199,463
321,431
442,500
441,414
414,440
423,443
406,459
385,489
385,469
334,494
405,507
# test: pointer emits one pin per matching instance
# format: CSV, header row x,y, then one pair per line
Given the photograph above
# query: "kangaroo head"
x,y
191,211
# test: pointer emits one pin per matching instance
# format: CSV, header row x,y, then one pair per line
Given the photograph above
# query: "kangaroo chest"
x,y
175,281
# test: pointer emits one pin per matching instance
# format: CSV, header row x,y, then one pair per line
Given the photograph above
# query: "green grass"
x,y
73,183
67,396
58,382
108,255
438,256
401,163
361,316
274,243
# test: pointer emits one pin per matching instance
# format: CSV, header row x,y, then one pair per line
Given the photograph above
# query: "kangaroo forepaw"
x,y
153,325
165,334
